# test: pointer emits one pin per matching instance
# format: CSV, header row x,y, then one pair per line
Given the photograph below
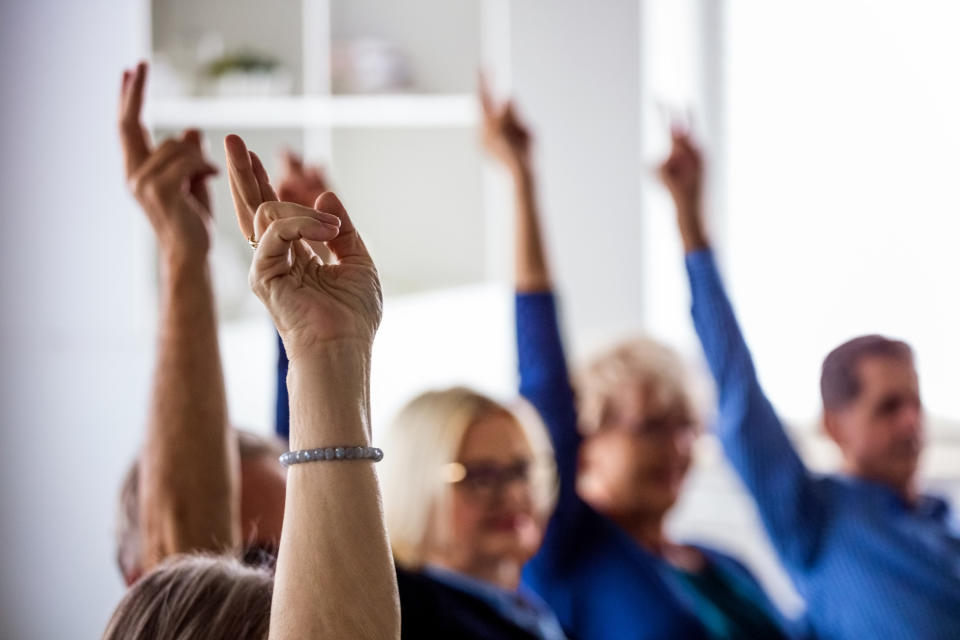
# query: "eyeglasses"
x,y
487,479
654,428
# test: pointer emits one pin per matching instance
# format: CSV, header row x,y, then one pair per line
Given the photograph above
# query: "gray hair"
x,y
196,597
643,363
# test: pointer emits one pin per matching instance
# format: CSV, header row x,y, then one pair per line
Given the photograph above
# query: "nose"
x,y
911,418
514,493
682,441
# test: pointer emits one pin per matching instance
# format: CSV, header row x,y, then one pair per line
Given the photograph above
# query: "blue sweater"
x,y
600,583
869,565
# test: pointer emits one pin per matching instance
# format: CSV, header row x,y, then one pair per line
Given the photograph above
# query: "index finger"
x,y
133,137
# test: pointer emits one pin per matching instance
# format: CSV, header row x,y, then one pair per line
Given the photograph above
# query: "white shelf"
x,y
360,111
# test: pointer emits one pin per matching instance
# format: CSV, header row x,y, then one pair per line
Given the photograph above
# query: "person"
x,y
467,495
607,566
186,491
262,487
873,556
467,491
334,575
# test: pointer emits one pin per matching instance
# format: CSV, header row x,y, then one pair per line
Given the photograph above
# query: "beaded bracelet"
x,y
322,454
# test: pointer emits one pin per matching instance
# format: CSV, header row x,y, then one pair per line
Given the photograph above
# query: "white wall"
x,y
576,73
74,363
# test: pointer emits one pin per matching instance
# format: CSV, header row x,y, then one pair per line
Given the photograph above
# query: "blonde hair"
x,y
646,364
426,435
196,597
127,531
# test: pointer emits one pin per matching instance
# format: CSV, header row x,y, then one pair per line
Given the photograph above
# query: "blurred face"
x,y
635,462
491,516
881,431
262,495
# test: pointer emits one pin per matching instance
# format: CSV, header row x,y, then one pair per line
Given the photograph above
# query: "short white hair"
x,y
646,364
427,435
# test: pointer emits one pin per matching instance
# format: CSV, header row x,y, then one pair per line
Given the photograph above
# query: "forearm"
x,y
532,272
335,576
189,464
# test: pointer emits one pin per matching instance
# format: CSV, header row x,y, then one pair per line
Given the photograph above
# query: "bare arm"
x,y
507,139
682,173
335,576
189,479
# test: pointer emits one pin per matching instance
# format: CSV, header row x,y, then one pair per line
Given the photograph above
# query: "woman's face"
x,y
491,516
635,462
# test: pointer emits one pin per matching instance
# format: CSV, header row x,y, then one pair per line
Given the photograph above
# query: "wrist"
x,y
179,259
521,171
690,224
329,388
181,271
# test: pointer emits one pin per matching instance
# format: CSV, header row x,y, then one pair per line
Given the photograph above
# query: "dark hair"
x,y
196,597
839,376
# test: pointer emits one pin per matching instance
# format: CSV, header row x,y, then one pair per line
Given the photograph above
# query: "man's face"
x,y
881,432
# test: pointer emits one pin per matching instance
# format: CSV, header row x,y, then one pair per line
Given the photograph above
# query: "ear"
x,y
131,576
832,425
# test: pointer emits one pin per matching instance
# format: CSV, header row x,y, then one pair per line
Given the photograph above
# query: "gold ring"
x,y
253,242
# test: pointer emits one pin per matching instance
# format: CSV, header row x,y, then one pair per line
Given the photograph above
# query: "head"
x,y
262,494
467,483
872,409
638,421
196,597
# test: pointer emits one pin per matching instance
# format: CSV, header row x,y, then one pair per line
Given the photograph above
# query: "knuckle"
x,y
265,215
267,211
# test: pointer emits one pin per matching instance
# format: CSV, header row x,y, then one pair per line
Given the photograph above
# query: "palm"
x,y
504,134
506,138
682,171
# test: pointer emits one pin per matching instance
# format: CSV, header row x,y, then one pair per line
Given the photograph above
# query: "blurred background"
x,y
831,130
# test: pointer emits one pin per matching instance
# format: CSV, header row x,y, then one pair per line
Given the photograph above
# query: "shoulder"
x,y
430,608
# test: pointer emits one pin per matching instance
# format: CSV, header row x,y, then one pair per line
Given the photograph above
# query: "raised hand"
x,y
503,134
300,184
312,303
682,171
682,174
169,182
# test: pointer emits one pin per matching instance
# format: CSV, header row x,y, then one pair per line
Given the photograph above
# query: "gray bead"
x,y
349,453
360,452
328,453
339,453
306,455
